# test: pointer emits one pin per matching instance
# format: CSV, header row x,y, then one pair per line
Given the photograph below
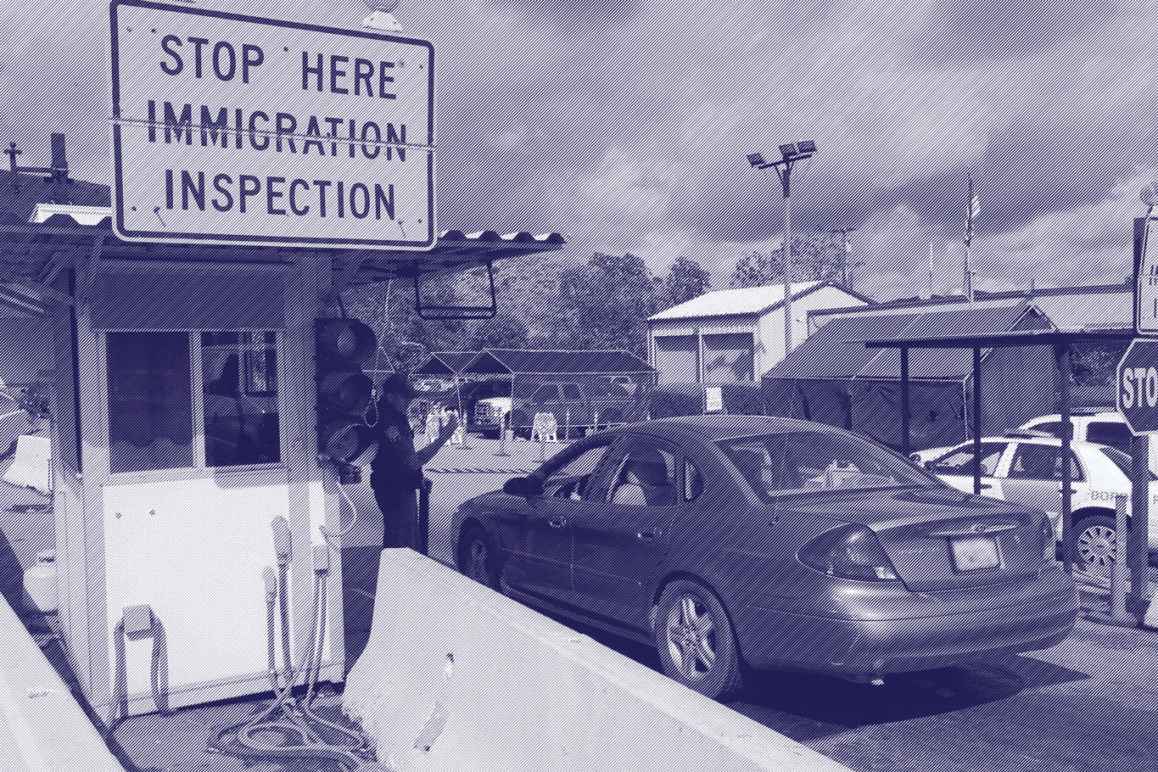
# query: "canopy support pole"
x,y
976,421
1065,375
905,402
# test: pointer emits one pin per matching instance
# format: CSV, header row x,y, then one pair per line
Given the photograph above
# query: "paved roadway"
x,y
1090,703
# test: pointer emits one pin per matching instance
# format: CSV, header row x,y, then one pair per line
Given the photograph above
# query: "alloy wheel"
x,y
1097,548
690,634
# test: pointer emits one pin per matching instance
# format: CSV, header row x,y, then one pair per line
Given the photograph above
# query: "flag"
x,y
971,217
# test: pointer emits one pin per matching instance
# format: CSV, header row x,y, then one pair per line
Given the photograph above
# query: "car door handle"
x,y
650,534
557,522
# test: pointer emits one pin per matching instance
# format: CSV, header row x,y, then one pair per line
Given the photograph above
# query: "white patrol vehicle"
x,y
1026,468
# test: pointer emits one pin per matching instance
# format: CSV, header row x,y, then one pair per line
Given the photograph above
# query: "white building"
x,y
735,335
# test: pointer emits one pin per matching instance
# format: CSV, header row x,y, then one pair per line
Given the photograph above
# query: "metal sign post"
x,y
1146,276
1137,401
231,129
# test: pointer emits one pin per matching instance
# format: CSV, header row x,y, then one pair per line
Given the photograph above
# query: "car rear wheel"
x,y
696,642
1095,544
476,557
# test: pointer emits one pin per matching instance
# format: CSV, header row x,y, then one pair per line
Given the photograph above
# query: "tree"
x,y
687,279
501,331
814,258
604,304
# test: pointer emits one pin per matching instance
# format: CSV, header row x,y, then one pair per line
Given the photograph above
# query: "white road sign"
x,y
1146,280
232,129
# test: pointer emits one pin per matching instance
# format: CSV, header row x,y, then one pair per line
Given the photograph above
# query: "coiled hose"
x,y
296,717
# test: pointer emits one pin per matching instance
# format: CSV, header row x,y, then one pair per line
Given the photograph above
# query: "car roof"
x,y
723,427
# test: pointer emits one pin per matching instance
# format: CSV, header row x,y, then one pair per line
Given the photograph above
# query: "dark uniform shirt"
x,y
392,470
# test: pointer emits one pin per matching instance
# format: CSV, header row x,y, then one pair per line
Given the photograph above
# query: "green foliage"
x,y
687,279
814,258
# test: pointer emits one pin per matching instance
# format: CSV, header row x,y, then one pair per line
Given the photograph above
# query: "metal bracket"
x,y
455,312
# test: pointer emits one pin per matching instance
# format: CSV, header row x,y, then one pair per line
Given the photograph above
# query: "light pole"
x,y
789,155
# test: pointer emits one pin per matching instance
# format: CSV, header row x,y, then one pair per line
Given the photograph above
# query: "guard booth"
x,y
162,507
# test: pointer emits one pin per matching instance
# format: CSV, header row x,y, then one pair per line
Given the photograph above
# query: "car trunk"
x,y
939,539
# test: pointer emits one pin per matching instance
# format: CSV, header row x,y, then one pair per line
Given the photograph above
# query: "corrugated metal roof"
x,y
525,361
731,302
1078,312
28,251
837,350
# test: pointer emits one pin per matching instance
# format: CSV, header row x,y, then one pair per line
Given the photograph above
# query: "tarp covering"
x,y
495,361
834,378
445,363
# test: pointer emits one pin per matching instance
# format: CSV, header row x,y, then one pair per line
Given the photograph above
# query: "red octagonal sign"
x,y
1138,386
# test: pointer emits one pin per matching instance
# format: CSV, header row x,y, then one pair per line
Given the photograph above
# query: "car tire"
x,y
1095,544
477,558
696,642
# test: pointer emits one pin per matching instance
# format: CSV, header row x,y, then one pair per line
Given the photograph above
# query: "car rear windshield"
x,y
1122,461
797,462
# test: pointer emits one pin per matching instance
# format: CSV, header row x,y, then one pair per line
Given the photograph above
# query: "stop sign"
x,y
1138,386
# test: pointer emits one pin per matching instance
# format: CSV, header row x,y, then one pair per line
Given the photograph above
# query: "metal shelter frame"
x,y
1061,341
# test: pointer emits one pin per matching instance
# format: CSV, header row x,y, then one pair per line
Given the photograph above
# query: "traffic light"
x,y
342,347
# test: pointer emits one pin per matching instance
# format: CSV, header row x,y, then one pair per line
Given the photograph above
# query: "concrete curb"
x,y
1090,587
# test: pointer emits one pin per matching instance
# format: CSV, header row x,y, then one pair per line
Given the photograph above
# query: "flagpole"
x,y
970,214
931,275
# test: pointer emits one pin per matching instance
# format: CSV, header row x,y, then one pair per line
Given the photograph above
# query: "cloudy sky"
x,y
625,125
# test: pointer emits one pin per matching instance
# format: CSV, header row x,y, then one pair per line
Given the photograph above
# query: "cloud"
x,y
625,125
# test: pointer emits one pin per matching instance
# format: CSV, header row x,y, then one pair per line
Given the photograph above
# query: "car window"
x,y
1112,433
960,460
645,475
693,482
571,392
1041,462
545,393
794,462
569,480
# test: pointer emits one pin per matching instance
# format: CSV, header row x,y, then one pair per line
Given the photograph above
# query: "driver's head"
x,y
646,468
1039,462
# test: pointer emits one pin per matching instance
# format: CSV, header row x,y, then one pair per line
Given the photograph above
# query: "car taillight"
x,y
850,552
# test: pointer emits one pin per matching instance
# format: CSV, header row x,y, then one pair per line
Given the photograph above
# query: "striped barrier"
x,y
476,470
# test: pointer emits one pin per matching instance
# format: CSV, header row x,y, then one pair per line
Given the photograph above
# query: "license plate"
x,y
975,553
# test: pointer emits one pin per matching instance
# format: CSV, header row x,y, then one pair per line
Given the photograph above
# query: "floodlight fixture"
x,y
790,153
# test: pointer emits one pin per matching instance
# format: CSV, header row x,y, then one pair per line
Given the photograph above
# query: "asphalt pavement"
x,y
1089,703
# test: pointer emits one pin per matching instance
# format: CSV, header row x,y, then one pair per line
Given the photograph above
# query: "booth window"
x,y
240,398
150,401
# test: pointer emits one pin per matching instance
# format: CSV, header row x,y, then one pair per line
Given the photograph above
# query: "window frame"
x,y
1077,471
967,447
199,470
611,471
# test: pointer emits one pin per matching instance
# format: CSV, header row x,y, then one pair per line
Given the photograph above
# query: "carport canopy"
x,y
1060,341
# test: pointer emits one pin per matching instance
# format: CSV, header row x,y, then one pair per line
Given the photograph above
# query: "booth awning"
x,y
33,254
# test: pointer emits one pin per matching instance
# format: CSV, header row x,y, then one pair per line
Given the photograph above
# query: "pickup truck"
x,y
578,405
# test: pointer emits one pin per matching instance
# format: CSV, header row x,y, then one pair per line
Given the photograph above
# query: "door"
x,y
620,543
956,467
540,558
1034,477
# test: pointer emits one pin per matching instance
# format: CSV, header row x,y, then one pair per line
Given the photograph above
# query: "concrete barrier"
x,y
456,676
41,724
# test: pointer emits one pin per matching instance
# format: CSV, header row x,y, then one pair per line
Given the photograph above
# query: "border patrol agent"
x,y
396,471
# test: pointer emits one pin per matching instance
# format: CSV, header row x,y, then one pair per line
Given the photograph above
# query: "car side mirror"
x,y
527,487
